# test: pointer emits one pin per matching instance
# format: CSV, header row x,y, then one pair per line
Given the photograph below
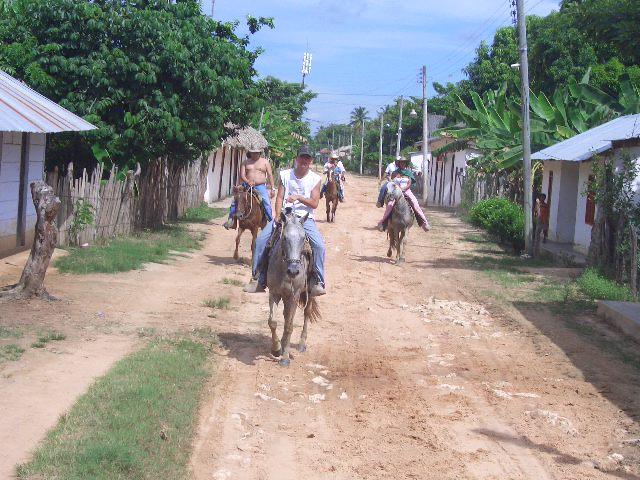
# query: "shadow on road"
x,y
246,347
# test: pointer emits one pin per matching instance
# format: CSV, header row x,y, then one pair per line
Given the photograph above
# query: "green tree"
x,y
158,78
290,97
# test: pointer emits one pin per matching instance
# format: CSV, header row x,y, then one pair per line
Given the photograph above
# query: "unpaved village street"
x,y
414,372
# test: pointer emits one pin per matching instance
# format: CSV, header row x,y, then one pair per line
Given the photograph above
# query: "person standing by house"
x,y
541,214
299,189
255,171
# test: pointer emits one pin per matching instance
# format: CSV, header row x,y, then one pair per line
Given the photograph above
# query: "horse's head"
x,y
242,197
293,238
394,192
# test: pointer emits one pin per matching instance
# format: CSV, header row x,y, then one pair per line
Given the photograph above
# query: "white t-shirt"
x,y
299,186
390,169
339,167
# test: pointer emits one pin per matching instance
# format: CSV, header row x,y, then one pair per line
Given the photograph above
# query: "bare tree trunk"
x,y
46,237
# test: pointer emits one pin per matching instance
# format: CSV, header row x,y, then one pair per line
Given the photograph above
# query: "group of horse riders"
x,y
299,192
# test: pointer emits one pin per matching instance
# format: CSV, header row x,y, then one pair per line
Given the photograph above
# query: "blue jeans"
x,y
315,239
383,193
264,195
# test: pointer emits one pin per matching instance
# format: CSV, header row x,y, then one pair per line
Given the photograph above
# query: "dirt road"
x,y
410,375
413,373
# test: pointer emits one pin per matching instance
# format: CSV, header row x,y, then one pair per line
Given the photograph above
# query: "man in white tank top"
x,y
299,189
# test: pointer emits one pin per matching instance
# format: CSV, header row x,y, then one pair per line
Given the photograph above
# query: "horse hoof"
x,y
284,362
302,348
389,253
400,261
276,353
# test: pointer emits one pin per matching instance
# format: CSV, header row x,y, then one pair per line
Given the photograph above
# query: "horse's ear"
x,y
304,219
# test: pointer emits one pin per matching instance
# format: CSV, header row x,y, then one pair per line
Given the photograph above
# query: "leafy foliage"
x,y
501,218
149,74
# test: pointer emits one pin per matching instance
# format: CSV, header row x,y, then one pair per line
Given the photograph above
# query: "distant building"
x,y
26,117
568,171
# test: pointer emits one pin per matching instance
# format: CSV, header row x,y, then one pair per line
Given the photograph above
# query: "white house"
x,y
568,169
446,172
25,119
224,163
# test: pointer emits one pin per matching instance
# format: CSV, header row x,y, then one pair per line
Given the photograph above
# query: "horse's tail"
x,y
311,307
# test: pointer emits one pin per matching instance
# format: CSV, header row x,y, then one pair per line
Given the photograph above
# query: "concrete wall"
x,y
222,165
10,148
567,197
582,237
555,167
444,186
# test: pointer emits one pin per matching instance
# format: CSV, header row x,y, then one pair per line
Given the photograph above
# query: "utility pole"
x,y
260,124
380,159
426,155
400,127
526,128
213,4
361,145
306,66
351,145
333,138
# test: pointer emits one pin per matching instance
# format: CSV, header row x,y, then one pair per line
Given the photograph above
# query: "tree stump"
x,y
46,238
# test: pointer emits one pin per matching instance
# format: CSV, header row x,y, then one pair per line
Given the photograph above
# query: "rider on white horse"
x,y
299,189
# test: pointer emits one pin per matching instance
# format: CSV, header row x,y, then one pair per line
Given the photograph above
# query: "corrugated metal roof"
x,y
592,142
22,109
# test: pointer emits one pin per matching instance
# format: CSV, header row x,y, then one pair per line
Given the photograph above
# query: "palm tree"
x,y
359,115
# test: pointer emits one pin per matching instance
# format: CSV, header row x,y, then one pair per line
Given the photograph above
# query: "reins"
x,y
250,192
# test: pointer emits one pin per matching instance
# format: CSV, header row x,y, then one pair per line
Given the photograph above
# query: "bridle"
x,y
250,192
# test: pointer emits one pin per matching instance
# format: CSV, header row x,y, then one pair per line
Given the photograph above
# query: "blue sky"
x,y
365,52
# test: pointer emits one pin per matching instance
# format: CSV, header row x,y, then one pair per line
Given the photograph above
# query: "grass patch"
x,y
52,336
219,303
203,214
11,352
130,253
597,287
231,281
10,332
136,422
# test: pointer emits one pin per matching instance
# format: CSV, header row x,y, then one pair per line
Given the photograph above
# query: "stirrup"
x,y
253,287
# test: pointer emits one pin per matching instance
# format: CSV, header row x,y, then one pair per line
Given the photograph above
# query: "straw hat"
x,y
334,155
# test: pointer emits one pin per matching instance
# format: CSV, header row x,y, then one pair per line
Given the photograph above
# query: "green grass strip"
x,y
129,253
136,422
203,214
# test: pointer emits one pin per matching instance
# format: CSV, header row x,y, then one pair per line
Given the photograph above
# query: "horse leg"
x,y
276,349
391,235
328,203
333,210
402,239
289,313
302,346
235,254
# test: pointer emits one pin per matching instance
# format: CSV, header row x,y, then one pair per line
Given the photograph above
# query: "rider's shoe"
x,y
380,227
317,290
426,227
253,287
230,223
379,204
341,200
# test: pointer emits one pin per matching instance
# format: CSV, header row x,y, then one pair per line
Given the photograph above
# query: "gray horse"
x,y
288,280
400,222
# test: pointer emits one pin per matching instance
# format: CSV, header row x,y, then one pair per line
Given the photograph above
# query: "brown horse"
x,y
331,195
249,214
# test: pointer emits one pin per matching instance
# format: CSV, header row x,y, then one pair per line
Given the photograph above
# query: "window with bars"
x,y
590,210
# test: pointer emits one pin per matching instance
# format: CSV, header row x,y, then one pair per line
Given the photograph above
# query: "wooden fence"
x,y
121,202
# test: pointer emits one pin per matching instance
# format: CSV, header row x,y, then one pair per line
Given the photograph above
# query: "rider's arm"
x,y
272,184
313,200
408,186
279,200
243,173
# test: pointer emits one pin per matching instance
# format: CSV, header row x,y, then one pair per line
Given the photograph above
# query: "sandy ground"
x,y
413,373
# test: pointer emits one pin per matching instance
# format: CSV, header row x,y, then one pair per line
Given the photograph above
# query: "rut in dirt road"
x,y
410,374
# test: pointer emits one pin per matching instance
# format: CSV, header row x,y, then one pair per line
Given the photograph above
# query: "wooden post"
x,y
633,268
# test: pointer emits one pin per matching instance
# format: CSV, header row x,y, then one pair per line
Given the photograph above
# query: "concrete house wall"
x,y
223,171
568,200
10,153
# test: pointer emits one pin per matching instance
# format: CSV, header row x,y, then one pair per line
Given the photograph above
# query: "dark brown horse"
x,y
249,214
331,195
